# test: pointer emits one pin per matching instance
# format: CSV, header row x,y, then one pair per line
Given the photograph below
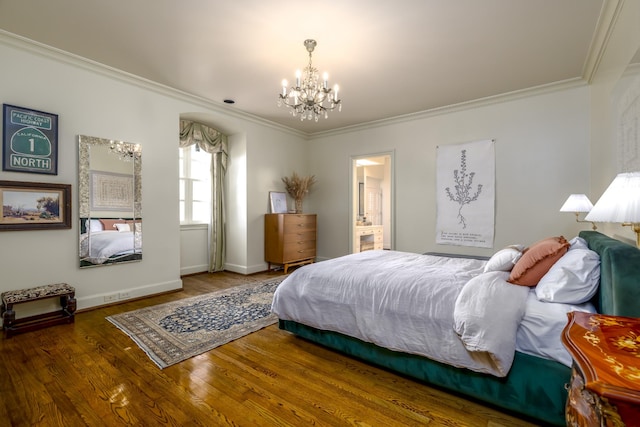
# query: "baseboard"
x,y
184,271
93,301
246,270
259,268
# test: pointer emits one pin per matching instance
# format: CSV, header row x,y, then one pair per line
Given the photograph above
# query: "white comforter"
x,y
102,245
411,303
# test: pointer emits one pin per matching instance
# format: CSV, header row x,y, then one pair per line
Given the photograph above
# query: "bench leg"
x,y
8,317
68,303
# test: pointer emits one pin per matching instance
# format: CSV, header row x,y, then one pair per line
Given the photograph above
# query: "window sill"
x,y
187,227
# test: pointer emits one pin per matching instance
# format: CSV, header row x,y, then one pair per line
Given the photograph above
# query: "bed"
x,y
495,364
110,240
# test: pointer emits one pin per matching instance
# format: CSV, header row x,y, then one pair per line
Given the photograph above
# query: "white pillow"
x,y
95,225
504,259
578,243
573,279
122,227
541,328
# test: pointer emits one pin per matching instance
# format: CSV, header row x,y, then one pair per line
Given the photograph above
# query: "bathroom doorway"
x,y
372,202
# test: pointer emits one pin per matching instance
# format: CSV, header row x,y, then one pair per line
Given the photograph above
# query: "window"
x,y
195,186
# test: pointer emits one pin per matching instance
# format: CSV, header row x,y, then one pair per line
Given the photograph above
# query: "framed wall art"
x,y
29,140
278,202
34,205
111,191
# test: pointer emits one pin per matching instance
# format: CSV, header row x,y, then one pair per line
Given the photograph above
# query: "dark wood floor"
x,y
90,373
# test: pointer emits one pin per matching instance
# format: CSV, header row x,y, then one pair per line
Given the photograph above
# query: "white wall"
x,y
622,45
271,155
93,100
542,154
88,103
194,253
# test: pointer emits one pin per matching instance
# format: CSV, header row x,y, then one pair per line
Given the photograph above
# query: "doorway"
x,y
372,202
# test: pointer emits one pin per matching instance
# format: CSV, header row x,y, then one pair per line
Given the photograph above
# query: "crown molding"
x,y
59,55
462,106
46,51
604,28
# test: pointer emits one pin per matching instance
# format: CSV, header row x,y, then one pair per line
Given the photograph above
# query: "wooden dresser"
x,y
289,239
605,383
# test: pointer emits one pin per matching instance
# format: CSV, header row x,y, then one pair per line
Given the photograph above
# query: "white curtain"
x,y
211,141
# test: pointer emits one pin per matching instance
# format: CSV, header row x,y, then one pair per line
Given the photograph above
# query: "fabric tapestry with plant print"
x,y
466,194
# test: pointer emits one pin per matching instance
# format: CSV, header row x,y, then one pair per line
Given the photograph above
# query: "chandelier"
x,y
310,98
125,150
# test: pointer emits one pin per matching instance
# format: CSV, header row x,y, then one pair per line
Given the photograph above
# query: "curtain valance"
x,y
207,138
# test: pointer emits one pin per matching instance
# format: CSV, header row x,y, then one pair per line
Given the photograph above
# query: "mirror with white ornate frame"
x,y
110,201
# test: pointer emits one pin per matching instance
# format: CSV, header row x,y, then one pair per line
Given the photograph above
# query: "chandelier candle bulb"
x,y
325,77
298,74
284,87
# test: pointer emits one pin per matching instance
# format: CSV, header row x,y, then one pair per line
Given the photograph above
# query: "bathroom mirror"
x,y
110,201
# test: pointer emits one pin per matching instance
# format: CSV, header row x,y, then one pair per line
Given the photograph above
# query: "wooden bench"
x,y
11,326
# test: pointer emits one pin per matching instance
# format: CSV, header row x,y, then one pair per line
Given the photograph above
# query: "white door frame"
x,y
353,195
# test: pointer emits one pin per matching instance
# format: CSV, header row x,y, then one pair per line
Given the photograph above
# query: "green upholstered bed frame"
x,y
534,387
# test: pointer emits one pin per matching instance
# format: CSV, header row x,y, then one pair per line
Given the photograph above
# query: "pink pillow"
x,y
110,224
537,259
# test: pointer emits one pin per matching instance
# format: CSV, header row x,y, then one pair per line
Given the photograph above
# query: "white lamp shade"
x,y
620,202
577,203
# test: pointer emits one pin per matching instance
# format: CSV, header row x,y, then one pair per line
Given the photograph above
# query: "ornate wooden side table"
x,y
605,383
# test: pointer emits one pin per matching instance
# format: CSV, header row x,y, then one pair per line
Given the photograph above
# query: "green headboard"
x,y
619,292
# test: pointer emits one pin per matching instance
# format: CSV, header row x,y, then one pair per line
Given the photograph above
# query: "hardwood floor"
x,y
90,373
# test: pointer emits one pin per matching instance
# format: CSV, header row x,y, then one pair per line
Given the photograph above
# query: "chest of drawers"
x,y
289,239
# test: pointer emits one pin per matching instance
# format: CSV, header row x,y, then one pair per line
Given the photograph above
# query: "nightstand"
x,y
605,382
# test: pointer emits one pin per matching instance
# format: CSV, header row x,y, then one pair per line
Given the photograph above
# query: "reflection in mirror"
x,y
109,199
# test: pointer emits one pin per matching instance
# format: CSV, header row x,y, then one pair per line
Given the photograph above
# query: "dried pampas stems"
x,y
298,187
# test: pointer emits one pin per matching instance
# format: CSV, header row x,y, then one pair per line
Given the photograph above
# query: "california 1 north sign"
x,y
30,141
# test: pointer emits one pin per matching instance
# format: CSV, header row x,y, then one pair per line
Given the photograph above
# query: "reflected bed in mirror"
x,y
110,208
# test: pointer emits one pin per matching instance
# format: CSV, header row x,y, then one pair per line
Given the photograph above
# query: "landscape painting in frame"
x,y
34,205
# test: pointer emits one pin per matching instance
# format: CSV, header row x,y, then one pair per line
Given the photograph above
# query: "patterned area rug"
x,y
172,332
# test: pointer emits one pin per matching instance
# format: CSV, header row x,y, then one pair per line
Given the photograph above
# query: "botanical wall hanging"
x,y
465,194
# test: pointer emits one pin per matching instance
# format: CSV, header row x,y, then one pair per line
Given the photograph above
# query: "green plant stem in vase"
x,y
298,187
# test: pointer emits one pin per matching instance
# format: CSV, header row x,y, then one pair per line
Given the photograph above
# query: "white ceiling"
x,y
389,58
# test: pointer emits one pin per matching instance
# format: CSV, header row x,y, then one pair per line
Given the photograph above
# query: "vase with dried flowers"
x,y
298,187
